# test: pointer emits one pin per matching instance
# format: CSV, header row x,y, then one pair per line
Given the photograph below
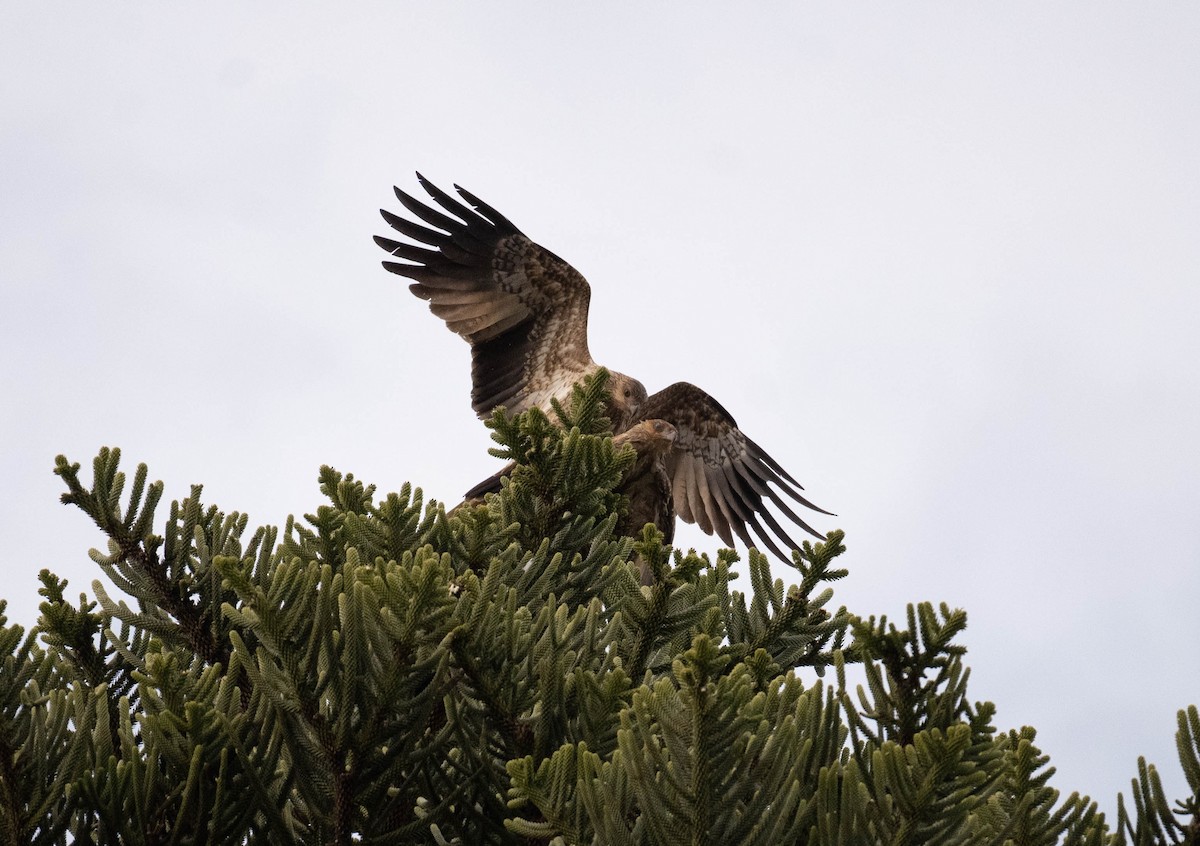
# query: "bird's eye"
x,y
628,393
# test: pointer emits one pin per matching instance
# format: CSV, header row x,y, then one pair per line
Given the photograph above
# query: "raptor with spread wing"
x,y
524,312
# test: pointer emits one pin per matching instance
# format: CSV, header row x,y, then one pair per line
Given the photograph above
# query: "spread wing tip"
x,y
809,505
402,269
391,218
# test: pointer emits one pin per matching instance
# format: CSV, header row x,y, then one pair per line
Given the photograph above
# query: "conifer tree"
x,y
383,671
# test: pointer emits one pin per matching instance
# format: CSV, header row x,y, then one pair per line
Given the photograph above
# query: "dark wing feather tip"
x,y
430,215
487,211
401,268
452,205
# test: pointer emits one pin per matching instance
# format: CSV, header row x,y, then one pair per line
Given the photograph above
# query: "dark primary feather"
x,y
491,484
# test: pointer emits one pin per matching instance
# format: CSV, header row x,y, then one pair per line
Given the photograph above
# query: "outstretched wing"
x,y
522,308
720,478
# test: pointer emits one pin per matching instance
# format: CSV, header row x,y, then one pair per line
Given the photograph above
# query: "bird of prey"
x,y
524,312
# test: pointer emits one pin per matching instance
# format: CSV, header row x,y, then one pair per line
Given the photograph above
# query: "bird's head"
x,y
649,438
663,432
628,396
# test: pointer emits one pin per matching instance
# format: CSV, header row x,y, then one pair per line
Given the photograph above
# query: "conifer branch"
x,y
389,672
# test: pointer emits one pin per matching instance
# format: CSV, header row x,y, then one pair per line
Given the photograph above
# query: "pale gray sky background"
x,y
941,261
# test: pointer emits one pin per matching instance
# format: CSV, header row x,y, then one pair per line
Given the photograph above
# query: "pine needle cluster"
x,y
384,672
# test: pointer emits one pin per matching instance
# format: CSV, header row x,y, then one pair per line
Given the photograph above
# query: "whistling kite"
x,y
524,312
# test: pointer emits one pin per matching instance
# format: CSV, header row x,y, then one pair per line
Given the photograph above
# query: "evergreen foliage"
x,y
383,672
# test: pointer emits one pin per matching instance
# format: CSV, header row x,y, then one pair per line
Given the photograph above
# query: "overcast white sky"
x,y
941,261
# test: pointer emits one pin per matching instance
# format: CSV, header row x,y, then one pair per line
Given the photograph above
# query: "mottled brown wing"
x,y
522,308
719,477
